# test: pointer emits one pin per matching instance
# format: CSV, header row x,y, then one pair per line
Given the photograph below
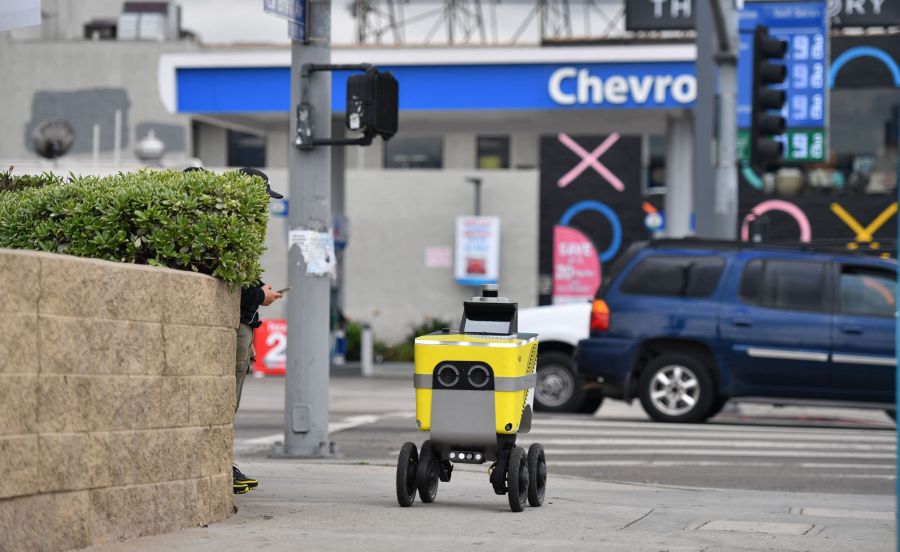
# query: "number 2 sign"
x,y
270,342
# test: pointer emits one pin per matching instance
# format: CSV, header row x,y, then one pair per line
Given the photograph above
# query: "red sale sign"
x,y
576,266
270,342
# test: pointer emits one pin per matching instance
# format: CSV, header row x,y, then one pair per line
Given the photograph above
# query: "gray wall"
x,y
65,19
75,80
395,215
212,144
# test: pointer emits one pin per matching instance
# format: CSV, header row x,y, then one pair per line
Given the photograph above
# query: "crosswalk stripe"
x,y
774,453
657,464
747,444
703,435
708,427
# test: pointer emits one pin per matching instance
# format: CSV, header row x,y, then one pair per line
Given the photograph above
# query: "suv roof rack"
x,y
817,246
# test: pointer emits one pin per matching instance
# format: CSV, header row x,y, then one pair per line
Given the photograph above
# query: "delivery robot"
x,y
474,394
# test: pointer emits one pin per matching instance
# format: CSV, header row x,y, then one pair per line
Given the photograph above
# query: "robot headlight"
x,y
478,376
463,375
447,375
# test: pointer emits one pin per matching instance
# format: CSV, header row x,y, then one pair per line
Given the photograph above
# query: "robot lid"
x,y
490,314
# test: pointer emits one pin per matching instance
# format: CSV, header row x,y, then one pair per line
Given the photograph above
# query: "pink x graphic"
x,y
590,160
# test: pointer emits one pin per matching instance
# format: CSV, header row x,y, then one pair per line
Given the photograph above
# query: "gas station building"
x,y
491,113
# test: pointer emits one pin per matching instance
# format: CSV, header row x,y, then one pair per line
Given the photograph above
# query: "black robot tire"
x,y
517,479
407,464
427,473
537,474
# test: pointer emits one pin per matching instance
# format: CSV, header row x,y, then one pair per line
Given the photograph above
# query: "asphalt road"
x,y
750,447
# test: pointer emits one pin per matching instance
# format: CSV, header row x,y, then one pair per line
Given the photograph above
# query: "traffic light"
x,y
372,104
766,121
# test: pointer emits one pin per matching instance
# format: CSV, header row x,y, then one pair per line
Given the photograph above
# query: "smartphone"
x,y
285,290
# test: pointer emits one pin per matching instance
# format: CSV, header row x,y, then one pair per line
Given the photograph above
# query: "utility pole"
x,y
715,169
704,199
306,385
725,20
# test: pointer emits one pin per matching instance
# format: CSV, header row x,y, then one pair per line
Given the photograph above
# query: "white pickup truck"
x,y
560,328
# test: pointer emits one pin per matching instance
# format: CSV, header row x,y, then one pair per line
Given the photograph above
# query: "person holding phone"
x,y
252,297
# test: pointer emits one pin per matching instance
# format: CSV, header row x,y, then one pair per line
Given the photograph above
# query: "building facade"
x,y
580,150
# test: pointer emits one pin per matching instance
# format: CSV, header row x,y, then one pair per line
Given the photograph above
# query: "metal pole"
x,y
704,199
726,163
679,182
478,197
477,183
95,148
117,138
367,351
306,382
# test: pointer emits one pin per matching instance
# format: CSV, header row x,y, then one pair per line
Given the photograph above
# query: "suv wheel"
x,y
676,387
558,387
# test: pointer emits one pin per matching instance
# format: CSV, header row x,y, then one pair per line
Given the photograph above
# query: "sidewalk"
x,y
336,505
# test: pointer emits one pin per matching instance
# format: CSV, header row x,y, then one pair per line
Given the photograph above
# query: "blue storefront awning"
x,y
244,88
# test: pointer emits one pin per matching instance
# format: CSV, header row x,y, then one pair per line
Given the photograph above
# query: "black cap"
x,y
256,172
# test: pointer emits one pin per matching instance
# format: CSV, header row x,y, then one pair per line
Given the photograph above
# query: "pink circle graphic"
x,y
778,205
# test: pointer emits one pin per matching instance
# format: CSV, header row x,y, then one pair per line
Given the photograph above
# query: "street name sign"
x,y
292,10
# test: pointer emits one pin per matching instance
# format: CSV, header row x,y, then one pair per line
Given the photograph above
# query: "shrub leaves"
x,y
198,221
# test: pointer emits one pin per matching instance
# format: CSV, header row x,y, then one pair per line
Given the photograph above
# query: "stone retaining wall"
x,y
116,400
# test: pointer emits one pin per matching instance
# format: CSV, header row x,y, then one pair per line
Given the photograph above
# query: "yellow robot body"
x,y
474,395
510,359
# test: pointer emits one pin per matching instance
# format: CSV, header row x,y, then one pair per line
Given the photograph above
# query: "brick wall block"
x,y
90,288
18,341
217,497
86,346
20,282
18,466
73,461
216,449
119,513
199,350
223,496
173,509
46,522
212,400
175,398
18,403
195,299
132,402
65,403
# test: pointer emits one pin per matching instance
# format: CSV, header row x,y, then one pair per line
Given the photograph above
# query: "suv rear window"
x,y
790,285
867,291
674,276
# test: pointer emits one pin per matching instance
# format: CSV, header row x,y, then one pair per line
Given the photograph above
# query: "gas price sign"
x,y
804,25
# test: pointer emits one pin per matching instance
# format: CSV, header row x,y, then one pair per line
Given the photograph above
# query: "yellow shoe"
x,y
240,478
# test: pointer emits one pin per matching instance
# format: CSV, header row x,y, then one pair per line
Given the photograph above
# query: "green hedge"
x,y
200,221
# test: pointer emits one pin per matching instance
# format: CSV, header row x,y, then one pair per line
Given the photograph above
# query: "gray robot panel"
x,y
463,419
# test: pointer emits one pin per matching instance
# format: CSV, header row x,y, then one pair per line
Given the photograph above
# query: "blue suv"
x,y
686,325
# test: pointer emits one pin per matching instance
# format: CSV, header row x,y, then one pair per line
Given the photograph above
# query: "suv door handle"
x,y
743,322
853,330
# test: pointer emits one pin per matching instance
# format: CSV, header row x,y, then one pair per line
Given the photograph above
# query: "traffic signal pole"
x,y
726,206
306,380
715,168
704,184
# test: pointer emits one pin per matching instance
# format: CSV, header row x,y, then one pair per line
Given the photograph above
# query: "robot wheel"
x,y
537,474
